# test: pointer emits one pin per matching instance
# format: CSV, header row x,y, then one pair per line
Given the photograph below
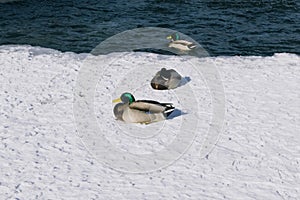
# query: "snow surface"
x,y
43,157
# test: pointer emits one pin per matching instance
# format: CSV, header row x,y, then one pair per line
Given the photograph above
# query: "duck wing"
x,y
174,74
182,42
187,44
191,46
151,106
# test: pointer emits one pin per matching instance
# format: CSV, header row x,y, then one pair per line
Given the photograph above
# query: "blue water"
x,y
222,27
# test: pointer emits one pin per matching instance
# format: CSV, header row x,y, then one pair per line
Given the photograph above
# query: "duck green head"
x,y
173,37
125,98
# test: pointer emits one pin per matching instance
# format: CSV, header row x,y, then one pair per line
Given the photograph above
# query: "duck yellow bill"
x,y
169,37
117,100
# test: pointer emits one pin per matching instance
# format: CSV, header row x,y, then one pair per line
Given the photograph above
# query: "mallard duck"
x,y
141,111
182,45
166,79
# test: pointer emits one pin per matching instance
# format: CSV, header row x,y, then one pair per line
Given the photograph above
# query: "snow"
x,y
44,155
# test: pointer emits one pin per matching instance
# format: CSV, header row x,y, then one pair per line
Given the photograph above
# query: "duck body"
x,y
182,45
141,111
166,79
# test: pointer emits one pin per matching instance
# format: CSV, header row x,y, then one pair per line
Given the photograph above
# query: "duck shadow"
x,y
176,113
184,81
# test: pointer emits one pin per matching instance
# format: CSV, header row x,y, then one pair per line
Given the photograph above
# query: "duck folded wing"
x,y
182,42
150,106
191,46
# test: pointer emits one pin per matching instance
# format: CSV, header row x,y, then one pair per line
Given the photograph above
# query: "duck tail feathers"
x,y
192,46
169,109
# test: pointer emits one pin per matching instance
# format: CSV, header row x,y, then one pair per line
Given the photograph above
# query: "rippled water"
x,y
222,27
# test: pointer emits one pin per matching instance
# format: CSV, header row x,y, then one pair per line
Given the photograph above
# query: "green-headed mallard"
x,y
166,79
141,111
182,45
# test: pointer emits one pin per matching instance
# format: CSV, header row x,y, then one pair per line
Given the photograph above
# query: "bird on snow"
x,y
166,79
140,111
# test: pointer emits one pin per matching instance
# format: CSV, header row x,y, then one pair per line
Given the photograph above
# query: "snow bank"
x,y
42,155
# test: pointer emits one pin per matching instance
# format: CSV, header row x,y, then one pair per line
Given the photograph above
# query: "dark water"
x,y
223,27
